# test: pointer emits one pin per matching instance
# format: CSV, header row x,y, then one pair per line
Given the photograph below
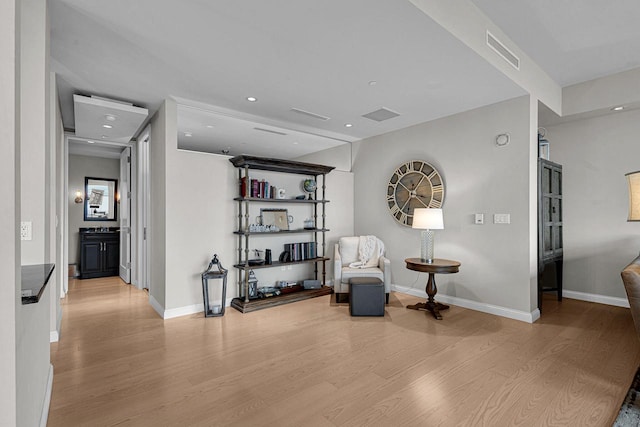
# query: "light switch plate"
x,y
502,218
25,230
479,219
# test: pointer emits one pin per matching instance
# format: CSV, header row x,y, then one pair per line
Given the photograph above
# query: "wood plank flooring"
x,y
311,364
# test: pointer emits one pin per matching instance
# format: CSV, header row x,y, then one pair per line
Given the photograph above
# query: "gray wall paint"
x,y
163,135
598,240
9,211
480,178
33,320
79,168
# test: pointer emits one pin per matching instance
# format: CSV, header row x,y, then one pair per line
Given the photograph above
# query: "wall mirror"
x,y
100,199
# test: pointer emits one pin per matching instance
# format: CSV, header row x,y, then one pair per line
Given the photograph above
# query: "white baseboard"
x,y
180,311
156,306
54,336
522,316
47,399
601,299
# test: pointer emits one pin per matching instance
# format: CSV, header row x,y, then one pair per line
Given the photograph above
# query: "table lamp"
x,y
633,179
427,220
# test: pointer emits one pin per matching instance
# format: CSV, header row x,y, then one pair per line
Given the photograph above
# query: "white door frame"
x,y
126,216
143,209
65,199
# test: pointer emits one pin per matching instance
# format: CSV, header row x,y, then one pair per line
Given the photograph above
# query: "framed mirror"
x,y
100,202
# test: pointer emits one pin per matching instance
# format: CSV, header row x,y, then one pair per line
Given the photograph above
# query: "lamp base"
x,y
426,246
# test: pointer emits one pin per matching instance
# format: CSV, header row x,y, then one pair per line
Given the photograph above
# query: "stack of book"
x,y
301,251
255,188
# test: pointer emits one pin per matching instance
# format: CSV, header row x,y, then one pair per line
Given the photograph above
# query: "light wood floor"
x,y
311,364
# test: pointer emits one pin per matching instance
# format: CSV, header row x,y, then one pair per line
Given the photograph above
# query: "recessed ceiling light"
x,y
110,117
373,83
295,143
188,134
107,126
209,126
618,108
252,99
348,125
91,142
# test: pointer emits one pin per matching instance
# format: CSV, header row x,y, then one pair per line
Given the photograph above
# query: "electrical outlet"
x,y
25,230
502,218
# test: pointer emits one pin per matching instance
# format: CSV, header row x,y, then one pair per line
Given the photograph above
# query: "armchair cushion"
x,y
346,252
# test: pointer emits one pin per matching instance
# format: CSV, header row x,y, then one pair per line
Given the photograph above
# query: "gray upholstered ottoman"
x,y
366,296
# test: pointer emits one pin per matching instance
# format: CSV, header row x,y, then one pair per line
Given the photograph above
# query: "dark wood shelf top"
x,y
279,264
258,199
34,280
258,304
271,233
279,165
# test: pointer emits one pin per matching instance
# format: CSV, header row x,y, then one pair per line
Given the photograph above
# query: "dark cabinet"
x,y
550,246
99,254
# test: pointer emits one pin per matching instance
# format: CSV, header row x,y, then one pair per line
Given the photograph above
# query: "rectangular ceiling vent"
x,y
270,131
381,115
503,51
310,114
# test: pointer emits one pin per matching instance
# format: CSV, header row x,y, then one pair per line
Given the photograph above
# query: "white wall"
x,y
9,209
480,178
33,367
163,134
598,241
200,220
81,167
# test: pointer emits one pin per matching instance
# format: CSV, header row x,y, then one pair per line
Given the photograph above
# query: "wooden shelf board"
x,y
278,165
270,233
279,264
259,304
260,199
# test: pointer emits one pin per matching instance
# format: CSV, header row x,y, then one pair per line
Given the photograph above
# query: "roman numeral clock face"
x,y
414,184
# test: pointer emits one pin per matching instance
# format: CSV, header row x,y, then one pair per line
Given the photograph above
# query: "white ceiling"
x,y
320,57
572,40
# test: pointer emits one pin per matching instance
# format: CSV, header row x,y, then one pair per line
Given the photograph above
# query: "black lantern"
x,y
221,273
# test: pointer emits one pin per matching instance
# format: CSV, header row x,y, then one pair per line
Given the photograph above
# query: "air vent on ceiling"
x,y
310,114
270,131
381,115
503,51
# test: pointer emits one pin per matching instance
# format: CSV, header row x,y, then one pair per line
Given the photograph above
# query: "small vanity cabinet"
x,y
99,252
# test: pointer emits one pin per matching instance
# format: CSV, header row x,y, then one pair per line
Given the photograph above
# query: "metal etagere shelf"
x,y
245,164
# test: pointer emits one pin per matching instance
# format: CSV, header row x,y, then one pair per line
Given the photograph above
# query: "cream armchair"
x,y
359,257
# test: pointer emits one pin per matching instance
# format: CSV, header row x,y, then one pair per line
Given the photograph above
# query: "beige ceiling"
x,y
338,59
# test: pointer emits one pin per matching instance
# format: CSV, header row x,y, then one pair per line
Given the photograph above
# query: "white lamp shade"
x,y
427,219
633,179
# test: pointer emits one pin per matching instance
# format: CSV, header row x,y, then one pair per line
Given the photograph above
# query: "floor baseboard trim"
x,y
601,299
509,313
47,399
180,311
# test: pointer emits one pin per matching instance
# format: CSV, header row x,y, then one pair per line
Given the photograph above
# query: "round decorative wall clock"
x,y
414,184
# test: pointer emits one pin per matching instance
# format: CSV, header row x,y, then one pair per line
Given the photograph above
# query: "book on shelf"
x,y
301,251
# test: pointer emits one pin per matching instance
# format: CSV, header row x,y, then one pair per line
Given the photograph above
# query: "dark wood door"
x,y
550,243
90,258
111,256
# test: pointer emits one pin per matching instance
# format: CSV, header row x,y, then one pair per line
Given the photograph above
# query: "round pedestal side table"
x,y
441,266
